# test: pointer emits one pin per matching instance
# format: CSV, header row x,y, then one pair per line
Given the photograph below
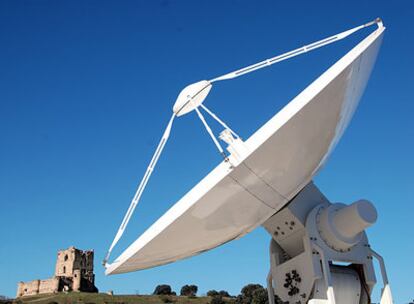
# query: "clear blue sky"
x,y
86,88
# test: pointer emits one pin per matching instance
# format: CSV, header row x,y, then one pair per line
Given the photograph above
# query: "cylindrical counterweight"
x,y
342,226
355,218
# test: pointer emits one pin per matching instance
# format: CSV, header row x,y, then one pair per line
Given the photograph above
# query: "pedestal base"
x,y
315,257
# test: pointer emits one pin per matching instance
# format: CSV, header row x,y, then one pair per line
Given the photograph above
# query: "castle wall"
x,y
37,287
20,287
73,271
49,286
29,288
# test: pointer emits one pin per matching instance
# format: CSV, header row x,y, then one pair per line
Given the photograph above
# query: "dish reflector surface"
x,y
281,158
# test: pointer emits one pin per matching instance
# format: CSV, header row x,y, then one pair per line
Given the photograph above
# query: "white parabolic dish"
x,y
279,160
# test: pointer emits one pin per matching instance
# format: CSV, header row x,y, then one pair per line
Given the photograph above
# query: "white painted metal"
x,y
281,158
335,223
361,214
294,53
141,188
210,132
188,100
346,285
304,268
359,254
386,295
191,97
224,125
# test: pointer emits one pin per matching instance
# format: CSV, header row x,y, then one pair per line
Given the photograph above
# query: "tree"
x,y
259,296
246,294
254,294
163,290
189,290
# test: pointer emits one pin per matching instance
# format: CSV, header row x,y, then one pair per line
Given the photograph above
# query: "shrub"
x,y
212,293
163,290
224,294
189,290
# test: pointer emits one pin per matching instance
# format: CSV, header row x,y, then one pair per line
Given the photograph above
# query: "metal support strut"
x,y
141,188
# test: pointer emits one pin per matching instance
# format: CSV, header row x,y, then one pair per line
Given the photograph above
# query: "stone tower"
x,y
76,265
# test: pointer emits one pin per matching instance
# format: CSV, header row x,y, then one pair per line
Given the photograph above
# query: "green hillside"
x,y
100,298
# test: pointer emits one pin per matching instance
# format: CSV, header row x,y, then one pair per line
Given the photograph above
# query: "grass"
x,y
102,298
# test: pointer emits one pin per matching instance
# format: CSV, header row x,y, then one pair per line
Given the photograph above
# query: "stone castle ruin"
x,y
73,272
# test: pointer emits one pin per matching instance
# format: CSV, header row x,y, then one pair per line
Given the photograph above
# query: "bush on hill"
x,y
163,290
224,294
255,294
260,296
212,293
246,294
189,290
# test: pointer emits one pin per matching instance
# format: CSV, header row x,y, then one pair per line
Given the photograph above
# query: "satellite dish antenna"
x,y
267,180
